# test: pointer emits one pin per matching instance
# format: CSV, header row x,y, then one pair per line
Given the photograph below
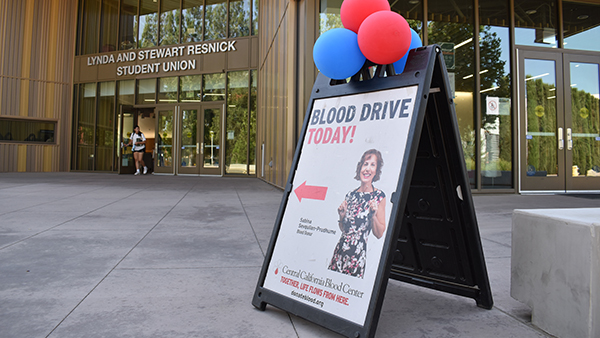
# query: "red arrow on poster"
x,y
310,191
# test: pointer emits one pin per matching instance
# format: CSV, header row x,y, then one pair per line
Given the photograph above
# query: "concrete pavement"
x,y
104,255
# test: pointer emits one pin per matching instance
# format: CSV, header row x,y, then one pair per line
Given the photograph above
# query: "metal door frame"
x,y
177,130
564,182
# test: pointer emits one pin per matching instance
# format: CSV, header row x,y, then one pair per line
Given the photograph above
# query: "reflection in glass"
x,y
89,36
148,23
329,17
27,131
253,102
496,112
126,92
189,120
146,91
192,20
84,137
164,139
127,155
128,24
105,137
108,26
450,24
213,86
581,24
236,148
169,23
212,137
190,88
585,119
412,12
536,22
255,17
167,89
239,18
215,20
541,129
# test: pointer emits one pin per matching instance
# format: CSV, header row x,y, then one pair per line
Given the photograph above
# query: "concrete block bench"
x,y
555,269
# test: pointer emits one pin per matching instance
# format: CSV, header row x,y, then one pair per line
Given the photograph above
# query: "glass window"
x,y
169,23
127,92
495,79
128,24
148,23
255,17
91,15
27,131
215,20
412,11
213,87
585,120
167,89
536,23
146,91
542,117
85,127
164,139
450,24
236,147
212,138
252,138
105,128
108,32
190,88
188,138
239,18
581,25
192,20
329,16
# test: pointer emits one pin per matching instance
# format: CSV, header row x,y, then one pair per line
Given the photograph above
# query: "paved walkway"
x,y
104,255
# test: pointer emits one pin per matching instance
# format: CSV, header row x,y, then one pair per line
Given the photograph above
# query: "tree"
x,y
149,31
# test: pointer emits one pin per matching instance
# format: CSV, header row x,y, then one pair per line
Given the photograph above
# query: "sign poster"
x,y
336,218
493,105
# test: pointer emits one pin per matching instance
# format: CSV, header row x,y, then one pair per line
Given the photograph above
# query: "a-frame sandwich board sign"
x,y
377,190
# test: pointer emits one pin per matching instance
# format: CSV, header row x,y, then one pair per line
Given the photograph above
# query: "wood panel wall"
x,y
37,42
287,30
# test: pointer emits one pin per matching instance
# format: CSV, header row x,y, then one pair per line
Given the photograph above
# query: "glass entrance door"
x,y
582,73
164,148
558,121
188,139
210,138
200,139
127,119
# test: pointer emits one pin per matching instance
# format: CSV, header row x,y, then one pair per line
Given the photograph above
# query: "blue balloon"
x,y
337,55
415,42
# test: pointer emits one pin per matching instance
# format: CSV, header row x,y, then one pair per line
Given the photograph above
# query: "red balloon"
x,y
384,37
354,12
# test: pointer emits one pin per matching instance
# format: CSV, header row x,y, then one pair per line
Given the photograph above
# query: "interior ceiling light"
x,y
583,17
413,2
531,11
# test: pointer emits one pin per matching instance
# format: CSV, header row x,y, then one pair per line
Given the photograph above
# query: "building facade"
x,y
221,87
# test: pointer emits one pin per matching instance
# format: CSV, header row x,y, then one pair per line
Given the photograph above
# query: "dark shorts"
x,y
139,150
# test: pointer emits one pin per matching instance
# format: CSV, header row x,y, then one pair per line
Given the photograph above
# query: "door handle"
x,y
202,148
569,139
197,148
561,140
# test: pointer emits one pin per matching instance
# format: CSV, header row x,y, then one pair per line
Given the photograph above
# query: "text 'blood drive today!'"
x,y
333,230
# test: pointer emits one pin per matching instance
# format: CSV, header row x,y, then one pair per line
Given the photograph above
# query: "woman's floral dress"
x,y
350,254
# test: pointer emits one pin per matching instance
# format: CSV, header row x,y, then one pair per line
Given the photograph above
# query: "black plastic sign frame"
x,y
377,190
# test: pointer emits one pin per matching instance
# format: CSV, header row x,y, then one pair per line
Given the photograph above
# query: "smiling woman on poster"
x,y
362,211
